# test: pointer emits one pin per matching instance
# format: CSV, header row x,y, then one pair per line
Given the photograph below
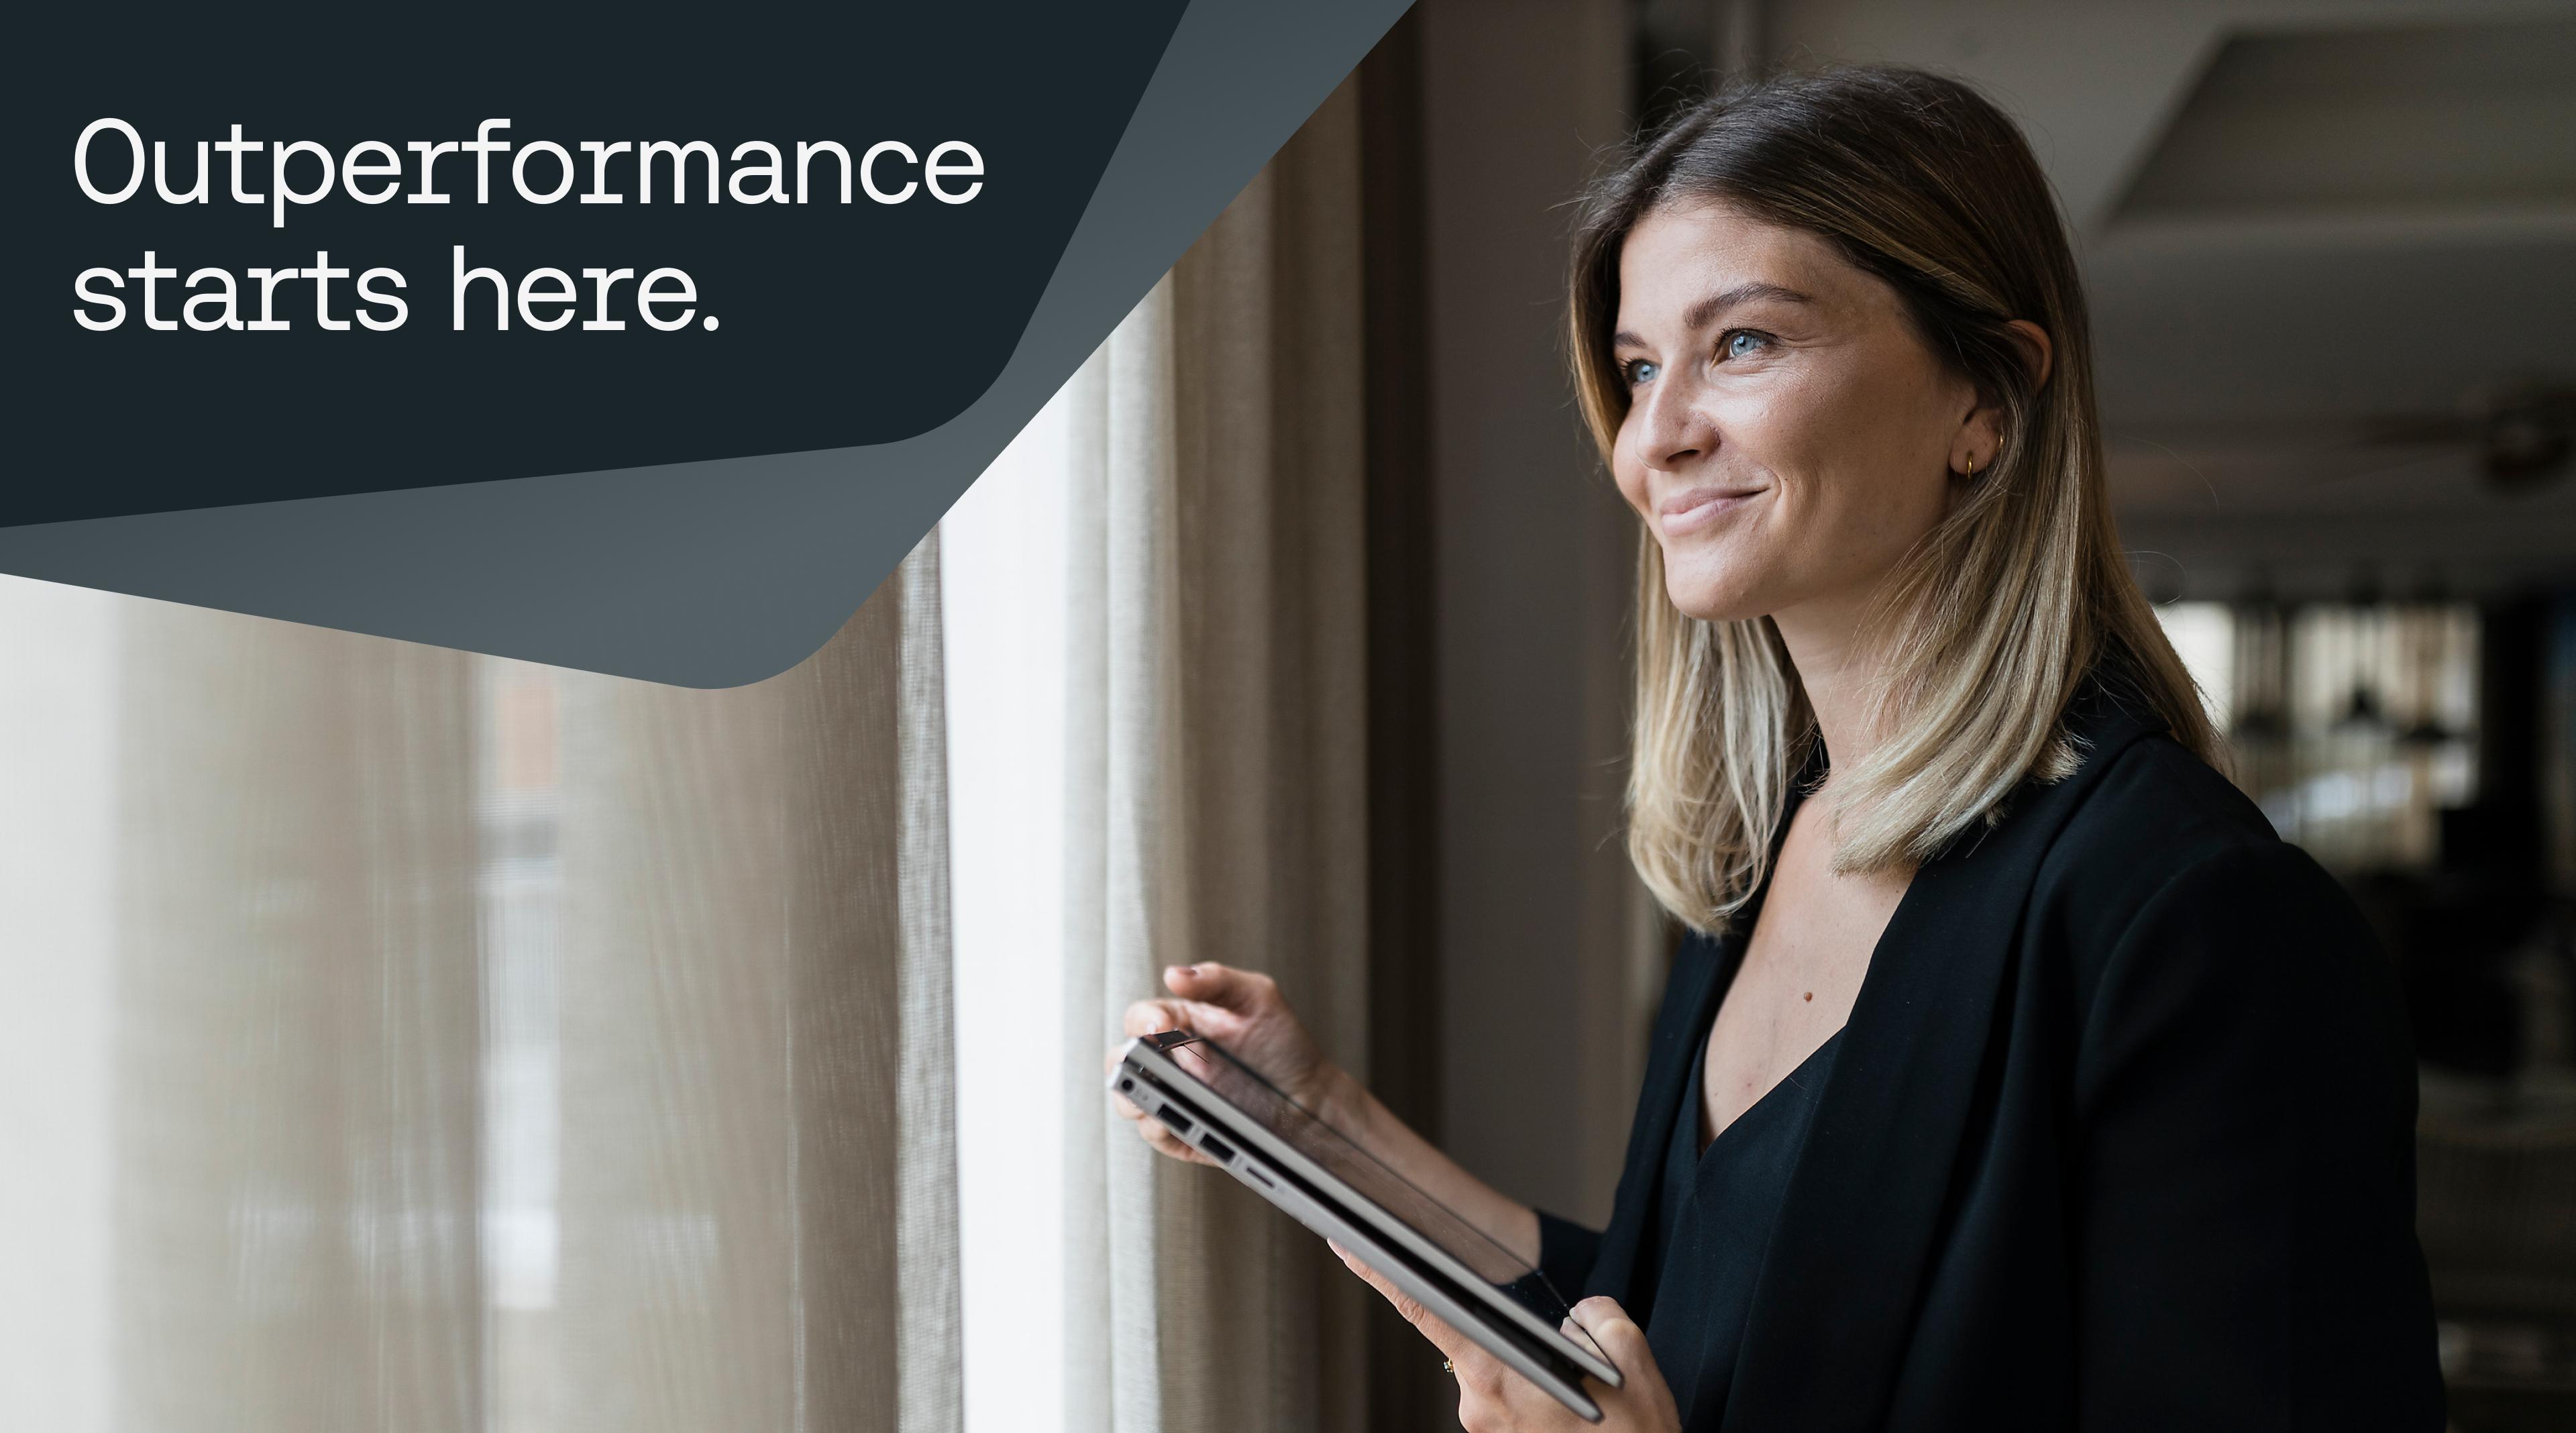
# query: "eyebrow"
x,y
1704,312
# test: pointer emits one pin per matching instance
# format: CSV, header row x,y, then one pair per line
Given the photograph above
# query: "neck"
x,y
1840,667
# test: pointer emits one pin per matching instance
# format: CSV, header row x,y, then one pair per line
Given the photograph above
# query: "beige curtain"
x,y
402,1040
758,1189
295,1026
1216,801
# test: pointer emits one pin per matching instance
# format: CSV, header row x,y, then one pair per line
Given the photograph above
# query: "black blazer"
x,y
2120,1136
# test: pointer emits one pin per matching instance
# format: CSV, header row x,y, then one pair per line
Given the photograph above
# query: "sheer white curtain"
x,y
758,1172
396,1039
1163,582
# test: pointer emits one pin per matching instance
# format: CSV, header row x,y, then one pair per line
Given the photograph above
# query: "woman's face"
x,y
1788,435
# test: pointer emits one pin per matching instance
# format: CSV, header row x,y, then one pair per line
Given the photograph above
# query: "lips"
x,y
1695,508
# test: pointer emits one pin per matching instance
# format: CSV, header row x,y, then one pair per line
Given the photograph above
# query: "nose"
x,y
1672,430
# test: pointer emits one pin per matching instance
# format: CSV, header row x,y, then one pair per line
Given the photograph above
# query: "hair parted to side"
x,y
1992,622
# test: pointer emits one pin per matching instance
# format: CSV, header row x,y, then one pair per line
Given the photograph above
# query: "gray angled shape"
x,y
720,573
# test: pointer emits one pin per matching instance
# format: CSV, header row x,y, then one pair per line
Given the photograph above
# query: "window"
x,y
2353,724
1002,600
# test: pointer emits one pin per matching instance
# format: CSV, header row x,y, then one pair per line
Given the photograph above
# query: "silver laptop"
x,y
1327,1182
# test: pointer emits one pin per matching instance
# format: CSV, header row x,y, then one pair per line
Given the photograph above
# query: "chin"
x,y
1715,602
1715,591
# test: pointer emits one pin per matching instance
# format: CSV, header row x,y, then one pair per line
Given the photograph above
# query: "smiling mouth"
x,y
1690,511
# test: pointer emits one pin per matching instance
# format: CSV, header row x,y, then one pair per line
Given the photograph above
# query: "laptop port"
x,y
1217,1149
1179,1123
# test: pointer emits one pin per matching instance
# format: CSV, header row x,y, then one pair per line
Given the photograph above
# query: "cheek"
x,y
1862,455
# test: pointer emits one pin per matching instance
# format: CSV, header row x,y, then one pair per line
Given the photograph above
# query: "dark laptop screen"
x,y
1265,1104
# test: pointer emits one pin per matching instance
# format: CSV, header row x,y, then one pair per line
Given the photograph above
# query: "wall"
x,y
1540,988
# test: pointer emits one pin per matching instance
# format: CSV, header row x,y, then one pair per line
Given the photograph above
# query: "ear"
x,y
2037,353
1981,437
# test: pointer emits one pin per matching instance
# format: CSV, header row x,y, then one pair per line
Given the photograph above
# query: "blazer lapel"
x,y
1835,1302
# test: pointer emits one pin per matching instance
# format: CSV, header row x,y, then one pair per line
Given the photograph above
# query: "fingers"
x,y
1154,1132
1153,1017
1165,1142
1405,1304
1209,983
1624,1344
1207,990
1145,1017
1127,1108
1431,1326
1491,1396
1609,1325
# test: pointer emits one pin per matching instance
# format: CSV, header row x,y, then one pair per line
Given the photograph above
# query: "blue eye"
x,y
1642,370
1742,343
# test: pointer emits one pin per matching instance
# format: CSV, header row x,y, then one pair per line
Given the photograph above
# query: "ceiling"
x,y
2303,223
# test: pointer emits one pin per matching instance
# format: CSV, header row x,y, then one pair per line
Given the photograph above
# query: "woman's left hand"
x,y
1492,1398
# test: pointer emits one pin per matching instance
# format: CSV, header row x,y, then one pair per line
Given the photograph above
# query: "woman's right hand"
x,y
1243,1011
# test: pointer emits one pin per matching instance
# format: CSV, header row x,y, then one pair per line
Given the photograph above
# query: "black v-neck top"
x,y
1709,1225
1713,1214
2119,1136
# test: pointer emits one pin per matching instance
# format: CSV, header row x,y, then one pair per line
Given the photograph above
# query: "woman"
x,y
2014,1074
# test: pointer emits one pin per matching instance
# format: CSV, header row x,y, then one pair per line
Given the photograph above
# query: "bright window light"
x,y
1002,598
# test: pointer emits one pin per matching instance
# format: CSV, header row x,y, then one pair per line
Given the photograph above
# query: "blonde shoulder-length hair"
x,y
1995,619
